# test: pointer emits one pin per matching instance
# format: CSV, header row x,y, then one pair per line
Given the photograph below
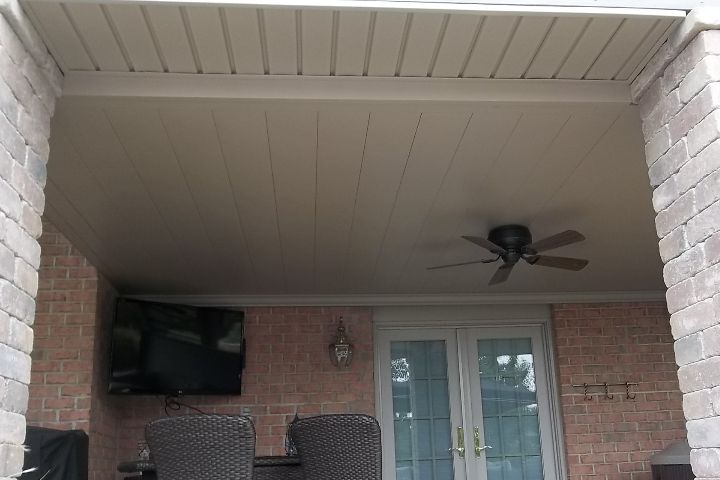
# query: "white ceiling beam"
x,y
366,89
595,8
429,299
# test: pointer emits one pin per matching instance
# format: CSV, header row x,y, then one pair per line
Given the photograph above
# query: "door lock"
x,y
476,437
460,443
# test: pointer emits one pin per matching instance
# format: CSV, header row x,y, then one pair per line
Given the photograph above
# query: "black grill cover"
x,y
57,454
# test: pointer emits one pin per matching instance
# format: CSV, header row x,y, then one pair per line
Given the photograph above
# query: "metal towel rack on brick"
x,y
606,389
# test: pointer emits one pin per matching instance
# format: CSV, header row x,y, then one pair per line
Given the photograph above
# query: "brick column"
x,y
679,98
29,85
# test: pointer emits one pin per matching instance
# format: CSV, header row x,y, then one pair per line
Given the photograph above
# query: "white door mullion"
x,y
467,394
474,403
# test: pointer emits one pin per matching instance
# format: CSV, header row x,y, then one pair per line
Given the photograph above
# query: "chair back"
x,y
339,447
202,447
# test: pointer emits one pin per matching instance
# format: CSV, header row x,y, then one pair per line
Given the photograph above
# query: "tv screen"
x,y
160,348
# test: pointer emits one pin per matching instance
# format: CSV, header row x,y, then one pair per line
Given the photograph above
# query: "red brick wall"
x,y
287,370
67,385
596,343
64,330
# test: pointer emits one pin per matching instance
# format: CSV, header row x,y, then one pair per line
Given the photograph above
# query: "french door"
x,y
467,403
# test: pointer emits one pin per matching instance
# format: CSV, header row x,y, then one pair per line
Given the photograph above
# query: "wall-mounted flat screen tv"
x,y
161,348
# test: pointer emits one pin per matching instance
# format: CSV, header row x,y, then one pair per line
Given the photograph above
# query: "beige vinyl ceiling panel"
x,y
197,39
212,197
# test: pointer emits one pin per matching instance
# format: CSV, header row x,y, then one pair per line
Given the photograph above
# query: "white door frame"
x,y
413,318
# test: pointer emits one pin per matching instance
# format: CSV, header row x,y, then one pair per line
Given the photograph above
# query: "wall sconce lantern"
x,y
341,350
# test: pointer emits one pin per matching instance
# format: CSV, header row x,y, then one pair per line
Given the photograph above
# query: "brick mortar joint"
x,y
696,212
666,124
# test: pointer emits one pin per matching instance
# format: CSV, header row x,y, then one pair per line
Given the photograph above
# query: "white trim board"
x,y
600,8
311,88
458,316
399,300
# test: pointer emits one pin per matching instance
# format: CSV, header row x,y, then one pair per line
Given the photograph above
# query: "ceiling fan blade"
x,y
456,264
486,244
558,240
558,262
501,274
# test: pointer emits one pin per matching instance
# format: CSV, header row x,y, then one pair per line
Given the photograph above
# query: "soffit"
x,y
408,40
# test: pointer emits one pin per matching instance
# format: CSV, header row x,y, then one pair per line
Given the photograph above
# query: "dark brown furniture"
x,y
265,468
211,447
278,468
333,447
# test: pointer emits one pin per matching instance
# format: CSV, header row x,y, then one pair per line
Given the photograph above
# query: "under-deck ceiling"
x,y
242,197
217,148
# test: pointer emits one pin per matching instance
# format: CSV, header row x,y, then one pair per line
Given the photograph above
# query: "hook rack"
x,y
606,387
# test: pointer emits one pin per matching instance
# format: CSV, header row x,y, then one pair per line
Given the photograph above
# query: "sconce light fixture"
x,y
341,350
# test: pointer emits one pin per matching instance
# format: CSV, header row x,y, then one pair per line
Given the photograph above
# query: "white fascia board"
x,y
584,8
361,89
430,299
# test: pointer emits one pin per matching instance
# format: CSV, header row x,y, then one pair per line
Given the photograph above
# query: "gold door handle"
x,y
460,443
476,437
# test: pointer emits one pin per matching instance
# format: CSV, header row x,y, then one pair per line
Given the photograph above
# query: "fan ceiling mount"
x,y
512,243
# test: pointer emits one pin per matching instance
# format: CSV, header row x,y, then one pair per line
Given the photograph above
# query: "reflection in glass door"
x,y
510,404
510,410
420,394
421,410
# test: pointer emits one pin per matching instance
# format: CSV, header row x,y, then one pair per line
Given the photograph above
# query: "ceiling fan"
x,y
514,242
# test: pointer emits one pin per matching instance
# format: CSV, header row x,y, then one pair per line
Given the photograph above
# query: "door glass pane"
x,y
421,410
510,411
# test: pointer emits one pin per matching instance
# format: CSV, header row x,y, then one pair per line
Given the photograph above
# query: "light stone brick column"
x,y
679,98
29,85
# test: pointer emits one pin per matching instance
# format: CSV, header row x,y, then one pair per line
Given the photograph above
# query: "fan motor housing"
x,y
512,238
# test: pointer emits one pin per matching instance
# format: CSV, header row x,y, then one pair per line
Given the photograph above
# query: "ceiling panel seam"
x,y
473,44
539,47
438,44
80,36
154,37
607,42
503,52
634,51
298,41
275,200
411,251
660,41
572,48
191,39
355,202
395,200
228,42
234,197
403,43
334,41
369,44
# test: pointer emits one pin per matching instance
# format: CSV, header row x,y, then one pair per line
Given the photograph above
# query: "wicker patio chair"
x,y
339,447
202,447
